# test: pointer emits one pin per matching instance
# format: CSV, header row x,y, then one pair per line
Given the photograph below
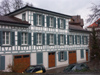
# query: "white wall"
x,y
79,59
45,59
33,59
8,60
63,63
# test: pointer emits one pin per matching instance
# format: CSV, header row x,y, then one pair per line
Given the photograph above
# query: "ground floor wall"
x,y
50,60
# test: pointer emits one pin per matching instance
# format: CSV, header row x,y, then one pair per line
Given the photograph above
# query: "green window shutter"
x,y
65,55
29,38
59,57
65,39
48,35
58,39
2,63
68,39
82,53
80,39
12,38
76,39
58,22
83,40
1,35
55,39
42,20
64,24
19,38
73,39
35,38
48,23
34,17
43,39
54,22
39,58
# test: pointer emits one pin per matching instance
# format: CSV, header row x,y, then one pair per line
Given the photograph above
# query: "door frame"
x,y
76,55
55,59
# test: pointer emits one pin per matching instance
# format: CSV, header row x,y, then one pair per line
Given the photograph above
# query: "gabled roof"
x,y
77,28
13,20
95,24
29,8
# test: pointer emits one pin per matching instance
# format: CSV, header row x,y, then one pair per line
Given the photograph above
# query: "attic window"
x,y
24,16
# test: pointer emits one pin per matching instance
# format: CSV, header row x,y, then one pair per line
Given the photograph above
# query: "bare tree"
x,y
95,13
7,6
16,4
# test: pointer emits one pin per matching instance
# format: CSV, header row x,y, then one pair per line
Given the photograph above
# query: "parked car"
x,y
35,69
76,67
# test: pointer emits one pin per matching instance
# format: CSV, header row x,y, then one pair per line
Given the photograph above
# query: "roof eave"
x,y
76,30
37,10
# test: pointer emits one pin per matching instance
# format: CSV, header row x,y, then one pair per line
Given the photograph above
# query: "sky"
x,y
68,7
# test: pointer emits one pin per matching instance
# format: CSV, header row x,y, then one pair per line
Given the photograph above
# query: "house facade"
x,y
46,39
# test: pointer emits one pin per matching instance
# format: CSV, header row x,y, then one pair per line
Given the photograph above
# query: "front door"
x,y
72,57
86,55
51,59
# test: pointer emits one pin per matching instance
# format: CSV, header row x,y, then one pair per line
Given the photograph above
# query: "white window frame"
x,y
5,38
84,39
62,56
78,39
24,38
70,40
24,16
61,23
39,20
51,22
51,39
61,39
39,39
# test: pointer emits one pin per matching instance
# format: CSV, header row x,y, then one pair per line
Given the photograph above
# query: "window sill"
x,y
39,45
6,45
62,60
62,44
24,45
39,25
51,44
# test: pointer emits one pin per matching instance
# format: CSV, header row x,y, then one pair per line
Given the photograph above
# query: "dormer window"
x,y
24,16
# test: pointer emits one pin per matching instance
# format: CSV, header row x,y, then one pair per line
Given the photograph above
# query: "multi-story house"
x,y
46,38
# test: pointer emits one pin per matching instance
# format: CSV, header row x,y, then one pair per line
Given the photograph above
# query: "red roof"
x,y
95,24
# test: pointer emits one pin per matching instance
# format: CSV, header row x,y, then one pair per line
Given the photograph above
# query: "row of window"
x,y
62,55
51,21
8,38
78,39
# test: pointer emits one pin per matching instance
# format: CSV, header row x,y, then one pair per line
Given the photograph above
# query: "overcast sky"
x,y
69,7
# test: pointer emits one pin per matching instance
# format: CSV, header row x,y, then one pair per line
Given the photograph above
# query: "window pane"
x,y
3,37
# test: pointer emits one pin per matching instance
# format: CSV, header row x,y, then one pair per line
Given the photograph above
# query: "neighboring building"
x,y
46,38
96,25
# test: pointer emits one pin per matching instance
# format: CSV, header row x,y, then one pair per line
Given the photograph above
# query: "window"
x,y
51,22
84,40
82,53
51,39
78,39
61,39
61,23
62,55
70,39
24,16
39,39
24,38
39,20
6,38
